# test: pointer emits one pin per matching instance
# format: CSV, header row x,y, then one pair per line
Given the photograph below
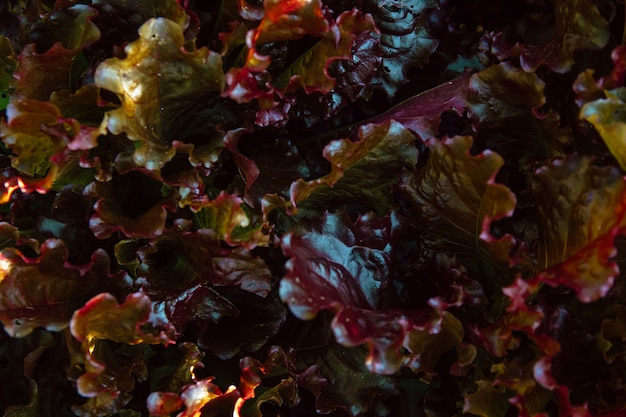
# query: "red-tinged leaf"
x,y
422,113
45,290
26,135
363,171
310,70
347,384
131,318
426,348
257,319
499,338
580,223
83,105
156,83
607,117
239,267
253,372
456,198
578,25
120,19
40,74
405,42
163,404
178,261
503,101
197,303
288,20
225,215
343,267
486,401
141,216
205,398
590,272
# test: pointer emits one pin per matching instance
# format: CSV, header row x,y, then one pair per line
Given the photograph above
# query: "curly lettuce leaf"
x,y
69,31
311,69
157,82
456,198
84,105
607,115
363,171
143,215
405,42
26,135
579,224
578,25
44,290
347,383
131,318
503,101
345,268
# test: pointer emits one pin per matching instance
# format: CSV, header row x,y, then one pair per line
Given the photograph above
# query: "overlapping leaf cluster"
x,y
312,207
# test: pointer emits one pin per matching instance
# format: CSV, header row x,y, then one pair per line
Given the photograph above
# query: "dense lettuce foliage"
x,y
312,207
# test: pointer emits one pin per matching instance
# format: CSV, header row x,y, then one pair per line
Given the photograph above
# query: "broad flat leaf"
x,y
456,199
311,69
404,39
363,171
40,74
45,290
608,117
156,82
578,25
579,223
422,113
503,101
131,318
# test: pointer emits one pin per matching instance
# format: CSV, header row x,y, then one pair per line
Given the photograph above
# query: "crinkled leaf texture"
x,y
362,171
404,39
346,268
40,140
503,101
157,82
45,290
578,25
41,73
131,318
456,198
579,222
608,117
